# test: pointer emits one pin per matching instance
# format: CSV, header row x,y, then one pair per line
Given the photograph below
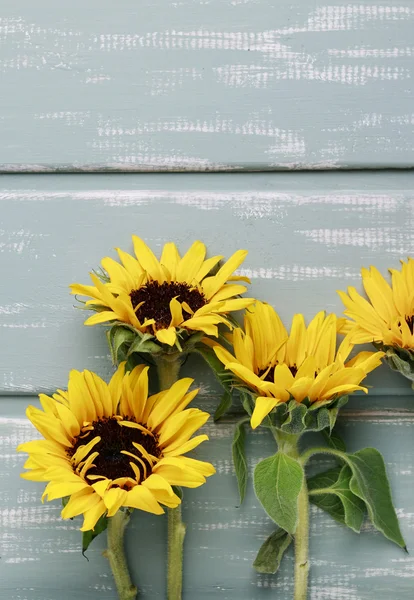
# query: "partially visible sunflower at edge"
x,y
304,364
387,318
163,297
108,446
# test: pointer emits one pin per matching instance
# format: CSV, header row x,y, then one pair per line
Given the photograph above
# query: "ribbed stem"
x,y
116,556
288,444
176,534
302,545
168,367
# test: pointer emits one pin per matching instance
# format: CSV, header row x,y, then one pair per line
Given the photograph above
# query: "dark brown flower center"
x,y
157,297
410,323
114,437
270,376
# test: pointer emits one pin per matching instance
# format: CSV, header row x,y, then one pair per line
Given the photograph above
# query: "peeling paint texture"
x,y
307,234
222,537
206,85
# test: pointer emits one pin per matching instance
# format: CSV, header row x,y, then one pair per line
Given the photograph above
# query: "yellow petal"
x,y
206,267
283,377
80,502
167,401
223,355
243,348
170,259
262,408
368,361
296,344
113,499
140,497
102,317
92,516
115,385
178,474
187,446
300,389
205,468
148,260
246,375
211,285
132,266
166,336
228,291
191,262
176,313
342,389
55,490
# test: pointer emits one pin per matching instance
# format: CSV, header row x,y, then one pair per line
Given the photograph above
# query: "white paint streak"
x,y
300,273
390,239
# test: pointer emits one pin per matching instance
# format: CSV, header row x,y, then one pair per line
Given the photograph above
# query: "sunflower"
x,y
304,364
166,296
387,319
108,446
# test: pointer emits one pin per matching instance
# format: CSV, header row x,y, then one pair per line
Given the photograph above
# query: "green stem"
x,y
304,458
176,534
302,545
116,556
168,367
288,444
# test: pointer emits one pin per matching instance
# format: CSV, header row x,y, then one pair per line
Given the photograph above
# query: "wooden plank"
x,y
195,85
42,554
307,236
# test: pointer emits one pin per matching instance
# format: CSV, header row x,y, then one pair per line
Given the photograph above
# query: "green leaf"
x,y
239,457
247,402
117,337
330,503
331,492
271,552
224,406
192,341
370,483
225,378
88,536
334,440
144,344
277,483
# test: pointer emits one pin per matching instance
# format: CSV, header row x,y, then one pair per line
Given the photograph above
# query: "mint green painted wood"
x,y
41,558
307,236
195,85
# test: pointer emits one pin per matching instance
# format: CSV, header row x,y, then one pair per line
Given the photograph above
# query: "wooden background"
x,y
210,85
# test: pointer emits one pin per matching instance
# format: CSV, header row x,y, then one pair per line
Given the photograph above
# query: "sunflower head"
x,y
171,302
299,371
386,318
108,446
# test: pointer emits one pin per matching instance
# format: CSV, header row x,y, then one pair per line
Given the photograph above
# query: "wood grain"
x,y
307,236
196,85
41,558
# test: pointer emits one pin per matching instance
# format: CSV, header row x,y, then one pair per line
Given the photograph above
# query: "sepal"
x,y
124,341
401,360
296,418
